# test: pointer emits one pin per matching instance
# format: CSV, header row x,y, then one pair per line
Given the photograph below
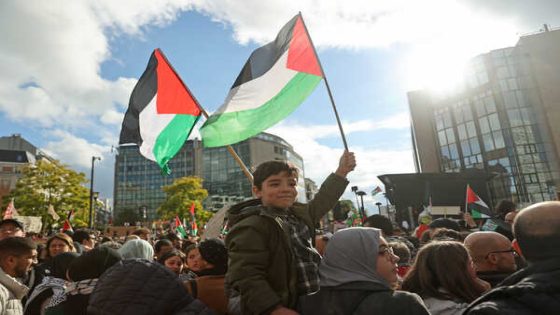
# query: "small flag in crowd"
x,y
376,191
53,213
179,227
275,80
478,208
194,226
161,113
67,225
10,210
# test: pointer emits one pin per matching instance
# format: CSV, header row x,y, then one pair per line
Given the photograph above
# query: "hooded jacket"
x,y
261,264
532,290
350,283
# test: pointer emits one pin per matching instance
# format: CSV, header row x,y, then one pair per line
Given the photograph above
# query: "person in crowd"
x,y
142,233
174,260
510,217
16,257
208,286
141,287
424,220
83,274
381,222
112,244
59,243
85,240
11,228
52,284
137,249
192,254
161,247
403,252
357,276
272,261
175,239
447,234
504,207
492,254
536,288
131,237
443,275
444,223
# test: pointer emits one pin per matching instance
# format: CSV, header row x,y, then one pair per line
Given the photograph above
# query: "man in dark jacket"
x,y
535,289
271,260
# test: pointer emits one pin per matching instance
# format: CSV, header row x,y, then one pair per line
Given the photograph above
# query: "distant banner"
x,y
30,224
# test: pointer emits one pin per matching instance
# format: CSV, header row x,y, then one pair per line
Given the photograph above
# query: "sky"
x,y
67,68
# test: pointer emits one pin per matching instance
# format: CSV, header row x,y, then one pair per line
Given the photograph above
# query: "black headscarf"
x,y
60,263
92,264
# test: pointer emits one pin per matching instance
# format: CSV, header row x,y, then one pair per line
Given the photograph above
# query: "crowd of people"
x,y
273,260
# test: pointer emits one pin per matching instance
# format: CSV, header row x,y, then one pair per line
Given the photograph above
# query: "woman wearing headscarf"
x,y
357,275
52,284
83,273
137,248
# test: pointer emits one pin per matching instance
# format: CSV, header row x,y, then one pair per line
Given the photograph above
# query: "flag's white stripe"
x,y
257,92
481,203
151,125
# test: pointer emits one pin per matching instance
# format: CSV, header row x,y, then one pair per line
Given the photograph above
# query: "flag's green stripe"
x,y
172,138
233,127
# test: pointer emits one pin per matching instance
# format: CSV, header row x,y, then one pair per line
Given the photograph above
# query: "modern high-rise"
x,y
138,181
504,120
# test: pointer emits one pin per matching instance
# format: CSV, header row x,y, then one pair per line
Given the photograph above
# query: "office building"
x,y
502,120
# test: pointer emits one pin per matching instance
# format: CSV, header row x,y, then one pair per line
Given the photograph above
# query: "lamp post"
x,y
93,158
362,194
378,204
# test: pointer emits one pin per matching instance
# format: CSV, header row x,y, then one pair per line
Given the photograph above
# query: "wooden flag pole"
x,y
205,114
327,85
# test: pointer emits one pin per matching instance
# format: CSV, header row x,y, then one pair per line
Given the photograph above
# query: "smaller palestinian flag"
x,y
10,210
161,113
376,191
478,208
194,227
67,225
275,80
179,227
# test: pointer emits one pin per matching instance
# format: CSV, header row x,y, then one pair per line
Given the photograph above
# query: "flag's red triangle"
x,y
471,196
301,55
177,222
172,96
192,210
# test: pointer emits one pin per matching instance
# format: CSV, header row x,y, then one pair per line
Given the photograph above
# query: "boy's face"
x,y
278,190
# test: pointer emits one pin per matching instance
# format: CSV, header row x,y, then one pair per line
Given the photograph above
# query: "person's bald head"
x,y
490,251
537,230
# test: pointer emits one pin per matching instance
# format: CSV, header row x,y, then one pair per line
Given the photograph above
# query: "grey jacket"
x,y
11,293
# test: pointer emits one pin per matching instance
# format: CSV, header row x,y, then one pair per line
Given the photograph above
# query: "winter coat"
x,y
444,307
362,298
210,290
261,264
137,287
532,290
11,293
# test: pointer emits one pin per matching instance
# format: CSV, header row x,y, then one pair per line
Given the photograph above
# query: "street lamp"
x,y
93,158
378,204
362,194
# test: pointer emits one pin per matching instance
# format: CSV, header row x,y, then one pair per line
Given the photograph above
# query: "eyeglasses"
x,y
511,250
386,251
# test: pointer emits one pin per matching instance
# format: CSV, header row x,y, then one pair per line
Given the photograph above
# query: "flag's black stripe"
x,y
142,94
263,58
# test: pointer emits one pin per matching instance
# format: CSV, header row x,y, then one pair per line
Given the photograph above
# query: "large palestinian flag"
x,y
478,208
275,80
161,113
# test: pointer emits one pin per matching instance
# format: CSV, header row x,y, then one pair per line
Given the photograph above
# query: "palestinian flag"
x,y
478,208
376,191
179,227
194,227
67,225
275,80
161,113
10,210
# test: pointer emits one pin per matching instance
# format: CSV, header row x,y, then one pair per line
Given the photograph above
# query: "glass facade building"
x,y
498,121
138,181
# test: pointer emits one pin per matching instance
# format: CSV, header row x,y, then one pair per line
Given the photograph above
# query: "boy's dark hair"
x,y
381,222
170,254
401,250
447,234
141,231
16,246
267,169
503,207
81,235
163,242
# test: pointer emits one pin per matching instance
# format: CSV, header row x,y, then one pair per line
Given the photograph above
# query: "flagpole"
x,y
205,114
327,85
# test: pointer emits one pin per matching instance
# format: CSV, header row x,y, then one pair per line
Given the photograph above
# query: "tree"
x,y
180,196
50,183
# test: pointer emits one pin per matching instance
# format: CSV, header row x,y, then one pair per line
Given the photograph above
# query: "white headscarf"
x,y
351,256
137,249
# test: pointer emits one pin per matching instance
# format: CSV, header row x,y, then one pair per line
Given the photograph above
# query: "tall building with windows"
x,y
138,181
503,119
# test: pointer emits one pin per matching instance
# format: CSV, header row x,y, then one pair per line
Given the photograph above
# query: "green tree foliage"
x,y
50,182
180,196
